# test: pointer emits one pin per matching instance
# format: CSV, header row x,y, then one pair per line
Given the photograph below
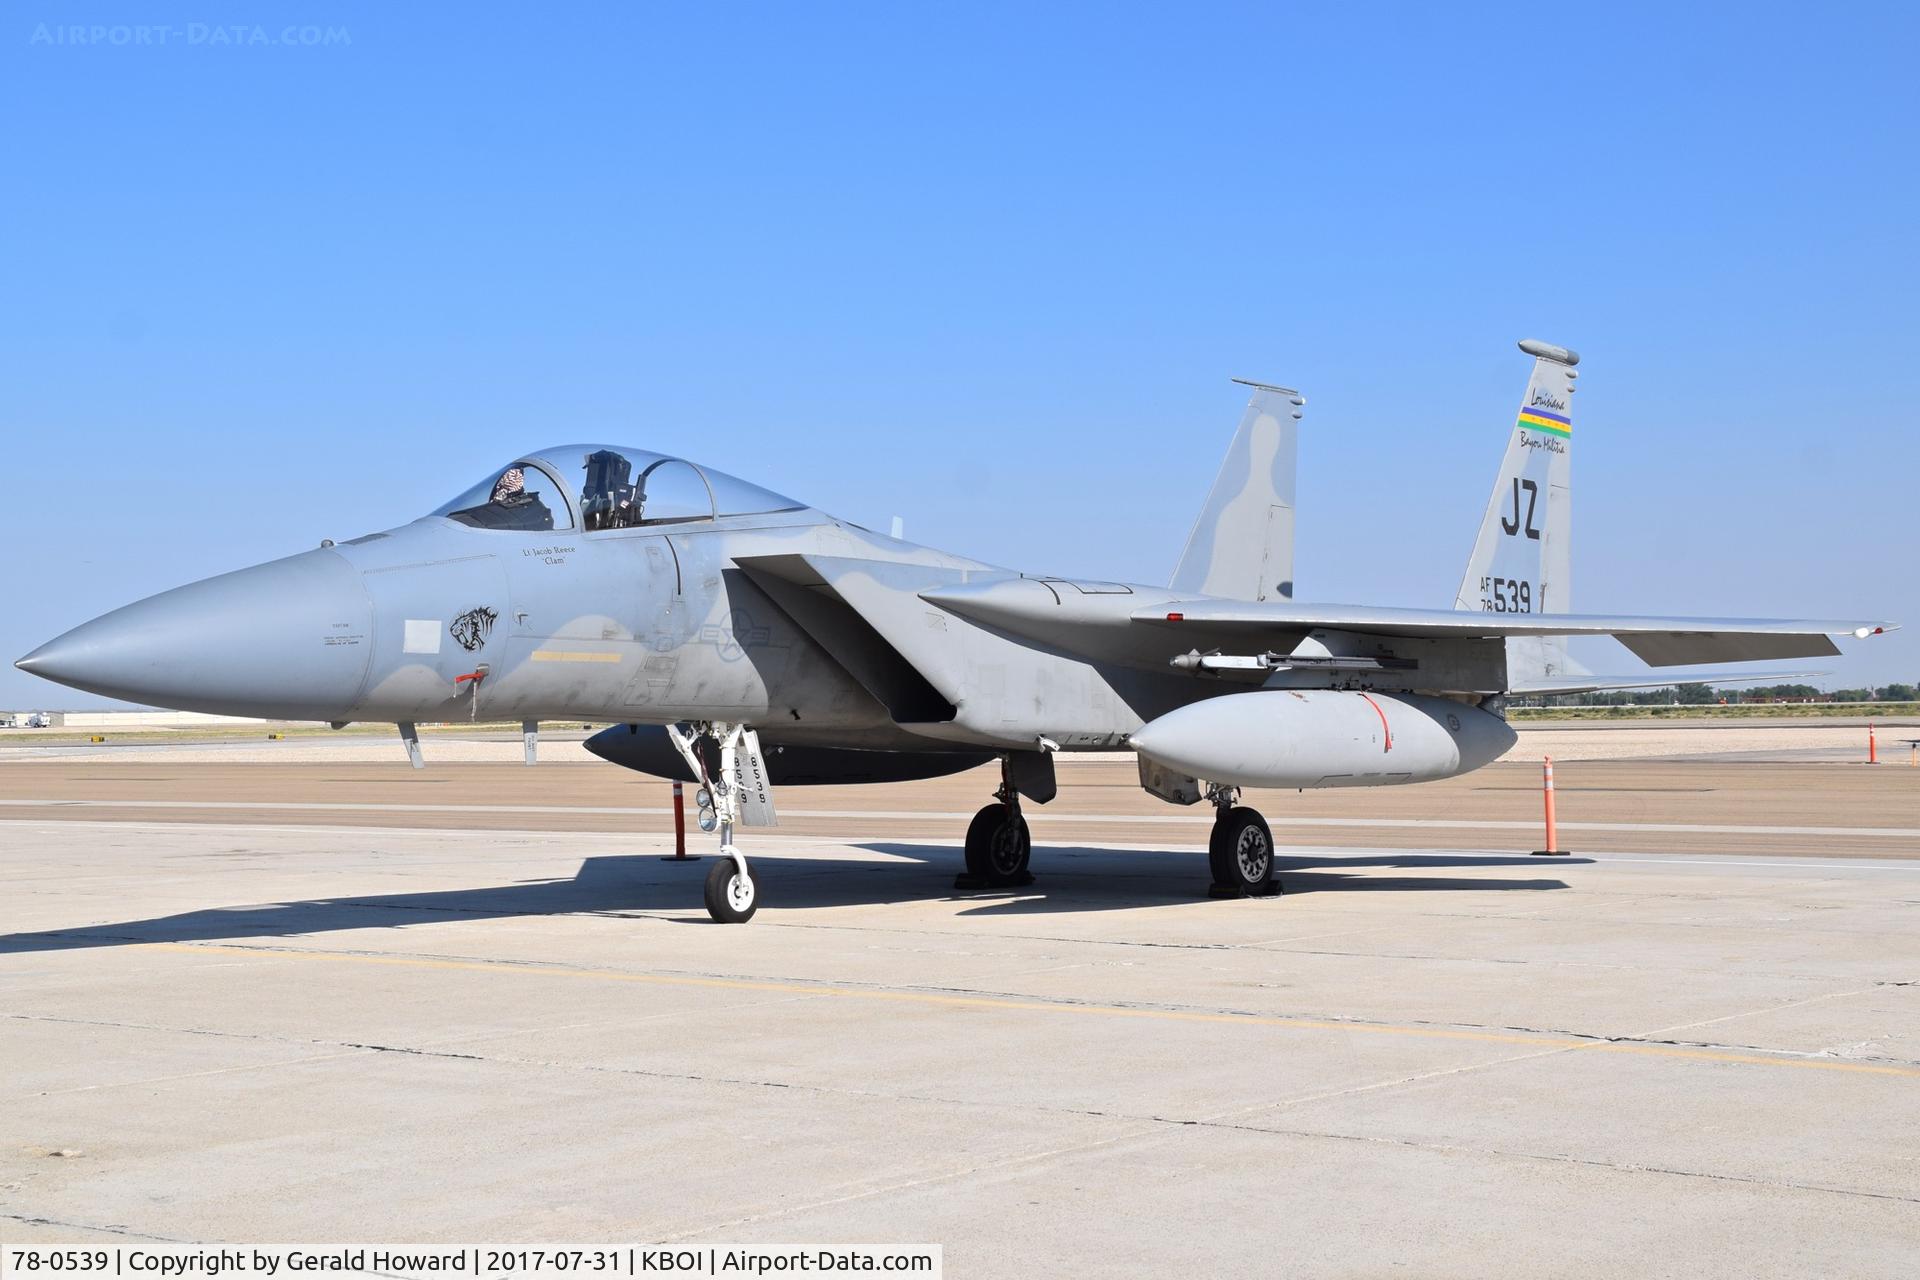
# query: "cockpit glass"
x,y
624,488
619,488
733,496
674,492
522,497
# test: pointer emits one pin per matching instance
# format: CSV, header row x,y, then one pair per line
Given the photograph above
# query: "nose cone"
x,y
289,639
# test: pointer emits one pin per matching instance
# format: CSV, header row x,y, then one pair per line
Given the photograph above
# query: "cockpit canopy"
x,y
606,486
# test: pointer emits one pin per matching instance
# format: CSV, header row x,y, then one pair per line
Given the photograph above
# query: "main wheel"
x,y
998,845
732,898
1240,853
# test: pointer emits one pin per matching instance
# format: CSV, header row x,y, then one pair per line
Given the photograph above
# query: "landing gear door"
x,y
752,785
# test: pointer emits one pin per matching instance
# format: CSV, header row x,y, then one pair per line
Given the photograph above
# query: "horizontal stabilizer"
x,y
1560,686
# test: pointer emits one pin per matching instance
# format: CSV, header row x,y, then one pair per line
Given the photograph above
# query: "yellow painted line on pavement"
x,y
1011,1005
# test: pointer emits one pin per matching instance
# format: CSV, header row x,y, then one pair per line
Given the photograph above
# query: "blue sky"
x,y
983,267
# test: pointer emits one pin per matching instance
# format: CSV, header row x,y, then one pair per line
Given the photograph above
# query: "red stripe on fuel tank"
x,y
1387,728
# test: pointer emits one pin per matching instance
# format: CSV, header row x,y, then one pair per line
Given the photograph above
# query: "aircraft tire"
x,y
727,901
999,846
1240,854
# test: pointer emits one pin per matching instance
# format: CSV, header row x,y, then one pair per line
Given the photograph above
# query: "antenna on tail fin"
x,y
1242,544
1521,561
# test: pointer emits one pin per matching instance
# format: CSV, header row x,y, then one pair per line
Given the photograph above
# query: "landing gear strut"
x,y
998,844
732,894
1240,850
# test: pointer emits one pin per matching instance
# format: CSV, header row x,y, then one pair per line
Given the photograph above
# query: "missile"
x,y
1323,738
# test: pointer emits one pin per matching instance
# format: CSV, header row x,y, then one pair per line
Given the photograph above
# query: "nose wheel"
x,y
1240,852
732,894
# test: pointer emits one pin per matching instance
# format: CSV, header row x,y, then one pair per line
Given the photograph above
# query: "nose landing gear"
x,y
732,895
1240,849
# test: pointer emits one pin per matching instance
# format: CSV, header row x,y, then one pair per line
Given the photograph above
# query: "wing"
x,y
1659,642
1431,649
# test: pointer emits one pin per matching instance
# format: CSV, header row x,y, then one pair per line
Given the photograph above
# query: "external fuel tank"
x,y
1324,738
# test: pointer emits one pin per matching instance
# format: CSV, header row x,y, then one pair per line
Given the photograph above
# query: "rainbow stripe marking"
x,y
1552,423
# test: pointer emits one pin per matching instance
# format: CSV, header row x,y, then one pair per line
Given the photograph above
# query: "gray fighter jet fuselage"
x,y
745,640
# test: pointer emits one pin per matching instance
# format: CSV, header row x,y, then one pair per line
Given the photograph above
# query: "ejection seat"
x,y
607,499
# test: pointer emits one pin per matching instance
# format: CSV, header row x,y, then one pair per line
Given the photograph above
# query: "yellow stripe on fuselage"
x,y
565,655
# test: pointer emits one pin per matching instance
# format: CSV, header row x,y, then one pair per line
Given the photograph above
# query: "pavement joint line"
x,y
352,1051
1372,1086
649,842
1454,1148
1772,1008
330,806
1223,1120
1429,957
922,1180
92,935
35,1220
948,999
1152,1122
438,1049
1165,1128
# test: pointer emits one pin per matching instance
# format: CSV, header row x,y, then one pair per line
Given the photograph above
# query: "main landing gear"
x,y
998,844
1240,849
732,894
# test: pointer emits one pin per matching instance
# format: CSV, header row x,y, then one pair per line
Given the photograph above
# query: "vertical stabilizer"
x,y
1521,560
1242,544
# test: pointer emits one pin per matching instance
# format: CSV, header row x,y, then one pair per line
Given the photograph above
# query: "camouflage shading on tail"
x,y
1242,544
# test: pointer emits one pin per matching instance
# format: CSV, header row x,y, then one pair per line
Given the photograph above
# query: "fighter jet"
x,y
743,640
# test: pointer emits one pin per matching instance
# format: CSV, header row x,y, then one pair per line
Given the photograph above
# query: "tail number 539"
x,y
1506,595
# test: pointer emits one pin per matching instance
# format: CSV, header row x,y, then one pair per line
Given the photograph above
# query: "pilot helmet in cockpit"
x,y
511,486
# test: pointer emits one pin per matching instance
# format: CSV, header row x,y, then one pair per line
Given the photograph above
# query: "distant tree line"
x,y
1702,695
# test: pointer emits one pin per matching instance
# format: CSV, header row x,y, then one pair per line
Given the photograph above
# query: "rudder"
x,y
1522,561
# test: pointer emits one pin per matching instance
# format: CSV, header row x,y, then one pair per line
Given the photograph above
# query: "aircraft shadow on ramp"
x,y
1081,879
1068,879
